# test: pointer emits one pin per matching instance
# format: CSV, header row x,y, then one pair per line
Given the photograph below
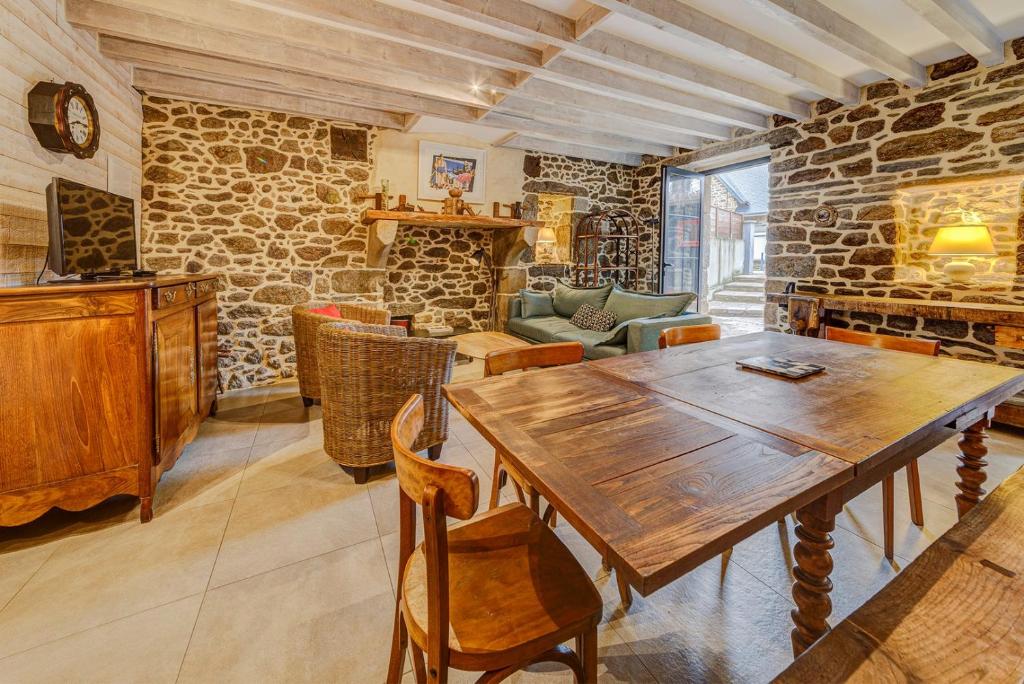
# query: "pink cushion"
x,y
329,310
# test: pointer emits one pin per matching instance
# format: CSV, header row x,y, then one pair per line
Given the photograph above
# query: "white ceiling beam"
x,y
410,28
559,32
593,121
543,92
603,81
141,27
175,86
684,74
532,144
833,29
169,60
608,141
962,23
226,16
701,29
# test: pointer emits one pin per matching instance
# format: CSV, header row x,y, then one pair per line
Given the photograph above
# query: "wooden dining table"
x,y
664,459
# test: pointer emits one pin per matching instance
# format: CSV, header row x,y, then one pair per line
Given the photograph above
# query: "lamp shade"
x,y
963,240
546,235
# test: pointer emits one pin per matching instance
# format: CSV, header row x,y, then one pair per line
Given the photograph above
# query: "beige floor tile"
x,y
280,464
243,398
18,566
273,528
112,573
290,423
229,430
326,619
145,647
200,478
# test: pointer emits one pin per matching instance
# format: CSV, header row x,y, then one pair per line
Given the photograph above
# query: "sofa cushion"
x,y
540,328
589,318
627,304
591,340
330,310
536,303
567,299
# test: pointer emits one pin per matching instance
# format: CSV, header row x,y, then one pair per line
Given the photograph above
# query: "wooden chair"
x,y
689,334
914,346
519,359
305,324
366,373
494,593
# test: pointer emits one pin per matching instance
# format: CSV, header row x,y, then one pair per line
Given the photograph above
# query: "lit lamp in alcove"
x,y
962,240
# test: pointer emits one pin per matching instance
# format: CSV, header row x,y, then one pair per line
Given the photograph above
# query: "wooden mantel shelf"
x,y
419,218
383,229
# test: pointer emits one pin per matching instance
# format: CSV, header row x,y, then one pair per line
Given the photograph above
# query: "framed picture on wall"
x,y
442,167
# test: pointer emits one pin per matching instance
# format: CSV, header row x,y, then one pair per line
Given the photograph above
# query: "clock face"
x,y
79,120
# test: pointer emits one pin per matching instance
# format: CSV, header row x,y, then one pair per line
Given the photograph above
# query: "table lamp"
x,y
546,235
964,239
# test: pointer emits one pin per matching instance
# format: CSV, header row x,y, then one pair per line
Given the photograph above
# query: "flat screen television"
x,y
92,232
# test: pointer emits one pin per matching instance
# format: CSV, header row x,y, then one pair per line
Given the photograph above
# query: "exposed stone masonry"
x,y
896,166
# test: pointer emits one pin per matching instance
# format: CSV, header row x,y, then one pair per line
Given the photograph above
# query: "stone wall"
x,y
891,168
262,199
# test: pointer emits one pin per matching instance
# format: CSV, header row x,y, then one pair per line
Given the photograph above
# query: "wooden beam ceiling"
x,y
557,82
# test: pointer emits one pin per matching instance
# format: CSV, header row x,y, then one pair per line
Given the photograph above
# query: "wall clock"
x,y
64,118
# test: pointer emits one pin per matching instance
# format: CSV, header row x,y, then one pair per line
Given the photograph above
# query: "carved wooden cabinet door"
x,y
176,382
206,343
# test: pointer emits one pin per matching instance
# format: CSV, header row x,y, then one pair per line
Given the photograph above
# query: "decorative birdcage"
x,y
606,247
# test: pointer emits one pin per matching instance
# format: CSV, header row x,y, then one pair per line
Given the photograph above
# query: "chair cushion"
x,y
627,304
536,303
540,328
567,299
514,585
329,310
592,341
589,318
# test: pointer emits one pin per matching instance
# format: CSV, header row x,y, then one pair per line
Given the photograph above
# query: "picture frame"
x,y
442,166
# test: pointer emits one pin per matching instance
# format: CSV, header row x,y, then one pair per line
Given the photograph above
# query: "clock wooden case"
x,y
64,118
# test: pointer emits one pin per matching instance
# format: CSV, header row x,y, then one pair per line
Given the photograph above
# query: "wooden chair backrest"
x,y
534,356
689,334
441,490
907,344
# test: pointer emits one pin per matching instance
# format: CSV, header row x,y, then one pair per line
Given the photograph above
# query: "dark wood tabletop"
x,y
664,459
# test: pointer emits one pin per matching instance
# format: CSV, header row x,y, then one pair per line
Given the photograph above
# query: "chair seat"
x,y
515,588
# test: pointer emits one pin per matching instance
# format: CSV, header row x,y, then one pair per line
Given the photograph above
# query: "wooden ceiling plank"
x,y
412,28
519,141
595,121
560,132
595,79
226,16
962,23
828,26
171,85
696,27
591,18
141,27
543,92
194,64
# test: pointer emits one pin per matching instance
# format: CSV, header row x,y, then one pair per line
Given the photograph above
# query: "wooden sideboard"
x,y
102,386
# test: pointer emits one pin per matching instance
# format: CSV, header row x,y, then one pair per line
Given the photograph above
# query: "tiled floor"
x,y
265,563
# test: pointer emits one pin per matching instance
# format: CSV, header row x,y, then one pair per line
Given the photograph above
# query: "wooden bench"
x,y
954,614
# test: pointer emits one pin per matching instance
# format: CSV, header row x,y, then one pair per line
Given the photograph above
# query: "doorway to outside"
x,y
714,230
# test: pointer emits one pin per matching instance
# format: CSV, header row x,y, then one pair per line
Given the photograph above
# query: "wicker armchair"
x,y
367,372
304,327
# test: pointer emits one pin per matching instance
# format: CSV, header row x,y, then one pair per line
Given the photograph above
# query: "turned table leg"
x,y
972,466
812,586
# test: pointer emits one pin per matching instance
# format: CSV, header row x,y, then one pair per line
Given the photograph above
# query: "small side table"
x,y
477,345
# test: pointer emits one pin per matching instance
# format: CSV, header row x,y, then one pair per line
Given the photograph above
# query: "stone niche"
x,y
996,203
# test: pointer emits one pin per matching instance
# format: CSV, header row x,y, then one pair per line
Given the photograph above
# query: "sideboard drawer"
x,y
1009,336
173,295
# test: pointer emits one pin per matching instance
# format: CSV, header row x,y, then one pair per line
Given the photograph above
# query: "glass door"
x,y
681,196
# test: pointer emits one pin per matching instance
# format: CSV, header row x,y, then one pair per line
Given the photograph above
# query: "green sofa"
x,y
630,334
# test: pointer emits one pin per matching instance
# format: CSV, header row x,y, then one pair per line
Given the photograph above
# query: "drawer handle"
x,y
190,289
170,296
205,286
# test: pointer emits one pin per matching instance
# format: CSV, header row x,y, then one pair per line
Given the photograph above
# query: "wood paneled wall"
x,y
37,44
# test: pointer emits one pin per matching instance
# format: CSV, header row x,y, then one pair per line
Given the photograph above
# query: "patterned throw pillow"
x,y
589,318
